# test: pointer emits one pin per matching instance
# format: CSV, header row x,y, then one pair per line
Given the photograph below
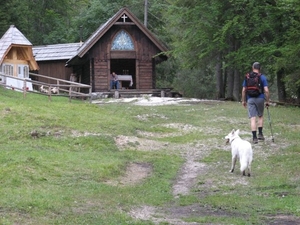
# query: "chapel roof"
x,y
102,29
71,51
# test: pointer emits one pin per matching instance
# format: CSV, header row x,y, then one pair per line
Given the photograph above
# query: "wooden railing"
x,y
62,87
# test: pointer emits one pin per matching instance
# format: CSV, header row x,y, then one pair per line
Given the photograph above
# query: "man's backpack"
x,y
253,84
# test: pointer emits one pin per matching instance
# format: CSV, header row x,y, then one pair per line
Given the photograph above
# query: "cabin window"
x,y
122,41
8,69
23,71
26,72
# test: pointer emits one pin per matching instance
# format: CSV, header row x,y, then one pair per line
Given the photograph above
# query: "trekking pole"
x,y
270,123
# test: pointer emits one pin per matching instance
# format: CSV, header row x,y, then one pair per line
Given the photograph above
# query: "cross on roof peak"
x,y
124,17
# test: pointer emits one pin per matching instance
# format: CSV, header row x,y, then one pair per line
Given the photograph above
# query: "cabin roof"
x,y
11,37
91,41
56,51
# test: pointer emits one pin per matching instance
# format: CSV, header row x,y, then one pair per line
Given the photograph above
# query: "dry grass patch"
x,y
135,173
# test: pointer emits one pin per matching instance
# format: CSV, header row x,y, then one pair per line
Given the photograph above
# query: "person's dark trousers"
x,y
114,84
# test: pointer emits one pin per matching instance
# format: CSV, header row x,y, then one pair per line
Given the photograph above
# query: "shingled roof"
x,y
56,51
11,37
89,43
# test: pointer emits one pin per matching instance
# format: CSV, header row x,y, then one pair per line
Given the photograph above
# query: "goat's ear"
x,y
233,131
238,131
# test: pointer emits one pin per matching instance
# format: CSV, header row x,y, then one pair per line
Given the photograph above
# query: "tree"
x,y
235,34
192,27
209,39
48,23
288,69
4,16
267,39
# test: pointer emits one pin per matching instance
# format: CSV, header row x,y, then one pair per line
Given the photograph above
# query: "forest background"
x,y
212,43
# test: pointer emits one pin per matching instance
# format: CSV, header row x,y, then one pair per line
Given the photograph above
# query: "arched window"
x,y
122,41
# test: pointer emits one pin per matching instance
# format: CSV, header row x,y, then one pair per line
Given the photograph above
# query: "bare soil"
x,y
191,172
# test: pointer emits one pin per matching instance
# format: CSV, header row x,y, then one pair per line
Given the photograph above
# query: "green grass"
x,y
60,177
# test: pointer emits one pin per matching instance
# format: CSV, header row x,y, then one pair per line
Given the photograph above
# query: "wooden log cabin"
x,y
123,45
16,59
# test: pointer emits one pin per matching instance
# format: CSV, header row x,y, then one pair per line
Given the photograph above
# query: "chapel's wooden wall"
x,y
101,55
145,75
101,72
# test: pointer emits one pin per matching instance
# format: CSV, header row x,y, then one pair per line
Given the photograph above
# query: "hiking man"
x,y
255,94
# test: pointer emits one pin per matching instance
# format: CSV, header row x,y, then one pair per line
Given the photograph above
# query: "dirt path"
x,y
186,179
191,172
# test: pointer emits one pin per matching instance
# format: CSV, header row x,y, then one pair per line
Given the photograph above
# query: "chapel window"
x,y
122,41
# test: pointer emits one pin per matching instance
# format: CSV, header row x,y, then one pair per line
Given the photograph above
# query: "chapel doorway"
x,y
125,68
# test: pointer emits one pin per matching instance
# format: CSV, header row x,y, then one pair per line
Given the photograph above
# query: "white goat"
x,y
43,90
54,90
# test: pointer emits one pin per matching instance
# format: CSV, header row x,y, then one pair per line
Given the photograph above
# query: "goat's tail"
x,y
246,164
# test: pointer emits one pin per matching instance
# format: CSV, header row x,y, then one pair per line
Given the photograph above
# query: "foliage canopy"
x,y
211,39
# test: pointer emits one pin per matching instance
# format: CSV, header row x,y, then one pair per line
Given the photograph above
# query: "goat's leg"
x,y
249,170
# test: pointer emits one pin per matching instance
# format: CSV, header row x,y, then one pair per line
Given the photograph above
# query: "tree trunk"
x,y
219,79
281,86
236,86
230,80
236,78
298,96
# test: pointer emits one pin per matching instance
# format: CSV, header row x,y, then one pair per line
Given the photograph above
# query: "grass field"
x,y
67,162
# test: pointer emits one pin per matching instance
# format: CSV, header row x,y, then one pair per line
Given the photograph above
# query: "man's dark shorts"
x,y
256,107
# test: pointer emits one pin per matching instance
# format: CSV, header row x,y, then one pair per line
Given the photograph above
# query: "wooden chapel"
x,y
122,44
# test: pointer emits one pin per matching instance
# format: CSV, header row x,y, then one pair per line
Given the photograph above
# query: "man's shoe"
x,y
261,137
255,140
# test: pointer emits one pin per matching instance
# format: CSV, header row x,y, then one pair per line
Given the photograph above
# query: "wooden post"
x,y
90,93
117,94
70,92
24,89
49,93
57,82
79,81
